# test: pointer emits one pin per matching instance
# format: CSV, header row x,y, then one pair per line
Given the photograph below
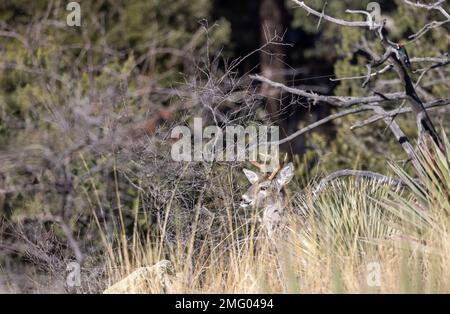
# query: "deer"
x,y
266,194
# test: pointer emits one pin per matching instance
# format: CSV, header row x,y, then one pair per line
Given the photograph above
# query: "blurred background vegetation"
x,y
85,112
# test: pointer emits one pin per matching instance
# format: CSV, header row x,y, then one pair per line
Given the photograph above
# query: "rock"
x,y
151,279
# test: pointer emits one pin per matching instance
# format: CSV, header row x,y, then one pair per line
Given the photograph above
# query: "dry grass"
x,y
353,225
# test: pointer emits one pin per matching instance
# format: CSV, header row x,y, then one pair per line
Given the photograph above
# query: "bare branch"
x,y
376,63
330,18
435,6
443,59
369,74
73,243
429,68
426,28
354,173
401,138
434,24
323,12
321,122
338,101
377,117
394,53
424,123
359,12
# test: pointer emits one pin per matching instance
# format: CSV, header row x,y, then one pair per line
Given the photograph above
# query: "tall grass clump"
x,y
356,236
422,217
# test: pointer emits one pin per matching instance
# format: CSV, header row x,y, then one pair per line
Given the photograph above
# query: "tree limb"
x,y
392,50
330,18
434,24
338,101
354,173
377,117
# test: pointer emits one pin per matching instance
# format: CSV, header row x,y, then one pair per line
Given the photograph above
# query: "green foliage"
x,y
112,34
65,89
367,147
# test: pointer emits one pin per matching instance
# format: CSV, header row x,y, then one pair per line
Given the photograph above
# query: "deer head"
x,y
265,191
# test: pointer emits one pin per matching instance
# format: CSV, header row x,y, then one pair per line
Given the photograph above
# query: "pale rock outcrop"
x,y
152,279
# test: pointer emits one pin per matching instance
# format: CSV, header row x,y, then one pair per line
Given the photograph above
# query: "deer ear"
x,y
251,176
285,175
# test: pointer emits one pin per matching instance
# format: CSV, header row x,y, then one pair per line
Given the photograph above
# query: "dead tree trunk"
x,y
273,18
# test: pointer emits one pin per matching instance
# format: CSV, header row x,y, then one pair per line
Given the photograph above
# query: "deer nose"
x,y
245,201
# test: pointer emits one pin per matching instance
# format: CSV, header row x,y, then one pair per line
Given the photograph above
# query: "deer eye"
x,y
263,188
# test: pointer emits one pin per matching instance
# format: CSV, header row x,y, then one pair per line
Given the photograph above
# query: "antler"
x,y
263,167
274,172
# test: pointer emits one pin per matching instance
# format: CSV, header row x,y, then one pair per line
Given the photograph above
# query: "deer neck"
x,y
273,216
277,206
